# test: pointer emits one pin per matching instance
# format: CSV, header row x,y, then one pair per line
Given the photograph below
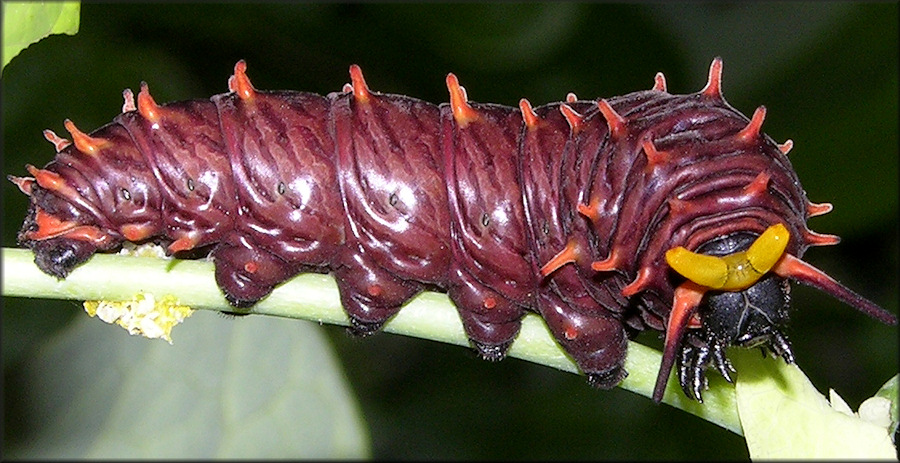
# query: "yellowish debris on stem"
x,y
142,315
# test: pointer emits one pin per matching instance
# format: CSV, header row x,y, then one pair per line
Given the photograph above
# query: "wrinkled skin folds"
x,y
566,210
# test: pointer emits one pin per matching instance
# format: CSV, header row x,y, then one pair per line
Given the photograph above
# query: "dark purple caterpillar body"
x,y
609,217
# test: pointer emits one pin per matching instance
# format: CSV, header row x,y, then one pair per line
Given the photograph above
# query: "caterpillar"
x,y
607,217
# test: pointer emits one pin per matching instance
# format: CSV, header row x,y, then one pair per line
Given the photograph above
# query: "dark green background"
x,y
827,72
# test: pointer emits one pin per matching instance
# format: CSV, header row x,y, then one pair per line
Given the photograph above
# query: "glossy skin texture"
x,y
394,195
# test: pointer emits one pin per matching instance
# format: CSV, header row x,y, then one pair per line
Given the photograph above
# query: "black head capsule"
x,y
749,318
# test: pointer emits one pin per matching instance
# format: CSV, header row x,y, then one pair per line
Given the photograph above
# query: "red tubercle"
x,y
796,269
655,157
59,143
570,332
572,117
374,290
687,298
645,275
128,105
814,210
528,115
146,105
136,232
713,88
679,206
25,184
759,185
616,123
786,147
570,253
358,85
820,239
84,142
463,113
608,264
659,82
239,83
184,243
752,130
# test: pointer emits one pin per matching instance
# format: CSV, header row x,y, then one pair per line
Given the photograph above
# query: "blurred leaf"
x,y
25,23
890,391
255,387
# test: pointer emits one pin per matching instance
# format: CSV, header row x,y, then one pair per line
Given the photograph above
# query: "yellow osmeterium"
x,y
735,271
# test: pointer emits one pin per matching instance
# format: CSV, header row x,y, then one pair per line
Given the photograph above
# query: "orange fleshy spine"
x,y
136,232
759,185
814,210
84,142
59,143
569,254
639,283
752,130
659,82
46,179
183,243
655,157
528,115
358,85
687,298
615,122
608,264
591,210
50,226
820,239
713,86
239,83
128,97
572,117
463,113
786,147
25,184
146,105
796,269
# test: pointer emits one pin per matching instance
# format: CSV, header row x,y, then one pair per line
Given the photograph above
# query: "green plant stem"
x,y
315,297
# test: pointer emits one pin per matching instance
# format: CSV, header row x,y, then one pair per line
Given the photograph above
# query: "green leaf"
x,y
25,23
252,387
889,391
784,416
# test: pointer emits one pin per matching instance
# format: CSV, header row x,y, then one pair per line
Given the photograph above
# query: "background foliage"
x,y
827,72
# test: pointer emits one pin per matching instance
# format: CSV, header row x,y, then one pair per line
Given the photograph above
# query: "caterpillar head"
x,y
754,316
737,294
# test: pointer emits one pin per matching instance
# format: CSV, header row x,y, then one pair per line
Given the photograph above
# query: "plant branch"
x,y
315,297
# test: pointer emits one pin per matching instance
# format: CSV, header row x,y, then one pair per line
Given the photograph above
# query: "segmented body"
x,y
566,209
